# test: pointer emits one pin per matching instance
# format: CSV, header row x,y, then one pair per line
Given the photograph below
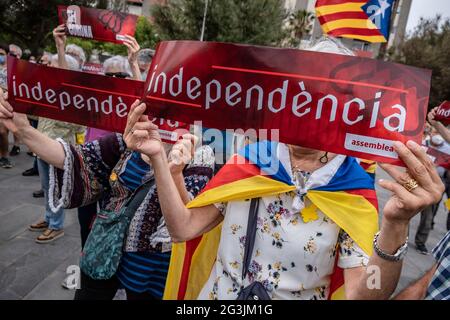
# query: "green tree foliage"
x,y
241,21
429,47
30,24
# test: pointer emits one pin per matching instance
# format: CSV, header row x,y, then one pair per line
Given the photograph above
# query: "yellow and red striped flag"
x,y
356,19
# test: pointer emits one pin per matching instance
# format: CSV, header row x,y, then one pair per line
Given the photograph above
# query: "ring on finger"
x,y
411,184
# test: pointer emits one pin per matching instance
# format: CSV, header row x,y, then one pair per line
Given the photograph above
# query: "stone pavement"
x,y
34,271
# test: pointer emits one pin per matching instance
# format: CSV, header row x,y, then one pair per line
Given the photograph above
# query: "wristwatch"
x,y
397,256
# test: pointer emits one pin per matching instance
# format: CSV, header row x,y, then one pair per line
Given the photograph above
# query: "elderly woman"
x,y
105,170
304,235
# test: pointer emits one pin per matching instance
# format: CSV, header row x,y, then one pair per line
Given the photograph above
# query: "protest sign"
x,y
343,104
443,113
439,157
78,97
96,68
97,24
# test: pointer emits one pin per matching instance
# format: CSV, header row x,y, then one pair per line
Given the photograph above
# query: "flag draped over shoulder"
x,y
349,199
356,19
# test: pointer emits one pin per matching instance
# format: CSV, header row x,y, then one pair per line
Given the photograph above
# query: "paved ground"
x,y
34,271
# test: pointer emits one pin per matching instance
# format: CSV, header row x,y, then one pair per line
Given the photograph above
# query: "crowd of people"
x,y
131,192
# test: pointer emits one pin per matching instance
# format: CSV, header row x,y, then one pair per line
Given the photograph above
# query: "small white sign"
x,y
370,145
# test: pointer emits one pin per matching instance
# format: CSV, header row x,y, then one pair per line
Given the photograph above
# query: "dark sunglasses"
x,y
117,74
12,55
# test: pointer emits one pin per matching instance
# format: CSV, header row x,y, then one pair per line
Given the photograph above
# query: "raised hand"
x,y
414,189
140,133
432,115
182,153
59,33
132,48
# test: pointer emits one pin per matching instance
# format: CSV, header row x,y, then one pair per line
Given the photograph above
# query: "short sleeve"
x,y
350,254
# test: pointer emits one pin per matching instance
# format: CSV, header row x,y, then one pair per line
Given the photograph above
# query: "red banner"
x,y
440,158
443,113
343,104
101,25
78,97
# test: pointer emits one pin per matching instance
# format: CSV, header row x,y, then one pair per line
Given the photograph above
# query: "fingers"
x,y
140,134
143,126
131,43
189,141
395,188
415,167
432,114
6,111
136,111
60,30
180,154
420,153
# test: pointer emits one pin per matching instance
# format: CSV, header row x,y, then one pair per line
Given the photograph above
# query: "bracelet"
x,y
397,256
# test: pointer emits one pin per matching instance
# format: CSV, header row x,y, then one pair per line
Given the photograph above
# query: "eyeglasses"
x,y
12,55
117,74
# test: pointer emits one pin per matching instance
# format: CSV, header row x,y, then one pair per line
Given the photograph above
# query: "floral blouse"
x,y
293,255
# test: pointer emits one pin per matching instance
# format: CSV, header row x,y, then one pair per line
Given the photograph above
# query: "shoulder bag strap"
x,y
138,197
250,236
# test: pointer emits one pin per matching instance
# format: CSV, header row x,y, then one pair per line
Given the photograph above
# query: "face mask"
x,y
437,140
2,59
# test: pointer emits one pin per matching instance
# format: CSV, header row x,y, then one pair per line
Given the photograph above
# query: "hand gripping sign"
x,y
96,24
88,99
443,113
343,104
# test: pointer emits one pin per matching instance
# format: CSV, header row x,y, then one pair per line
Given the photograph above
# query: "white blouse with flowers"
x,y
293,255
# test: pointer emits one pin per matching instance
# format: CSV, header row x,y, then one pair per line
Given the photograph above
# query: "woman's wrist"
x,y
24,132
393,235
159,157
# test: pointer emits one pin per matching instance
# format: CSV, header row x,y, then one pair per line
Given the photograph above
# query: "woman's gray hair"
x,y
330,45
145,55
73,49
72,63
118,62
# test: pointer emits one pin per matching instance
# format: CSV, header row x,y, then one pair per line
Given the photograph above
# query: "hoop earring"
x,y
324,159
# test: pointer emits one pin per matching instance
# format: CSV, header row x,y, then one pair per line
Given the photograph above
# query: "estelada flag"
x,y
356,19
349,199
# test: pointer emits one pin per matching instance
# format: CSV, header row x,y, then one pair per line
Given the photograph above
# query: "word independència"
x,y
63,100
216,93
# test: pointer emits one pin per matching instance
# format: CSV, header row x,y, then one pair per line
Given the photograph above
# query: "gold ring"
x,y
410,185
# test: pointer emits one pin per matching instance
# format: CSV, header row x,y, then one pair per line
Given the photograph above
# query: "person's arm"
x,y
60,37
399,209
418,289
439,126
183,224
49,150
133,49
82,172
178,179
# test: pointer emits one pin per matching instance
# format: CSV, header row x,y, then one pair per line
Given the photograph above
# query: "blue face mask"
x,y
2,59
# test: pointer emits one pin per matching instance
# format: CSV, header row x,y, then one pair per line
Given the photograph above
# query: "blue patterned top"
x,y
439,288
